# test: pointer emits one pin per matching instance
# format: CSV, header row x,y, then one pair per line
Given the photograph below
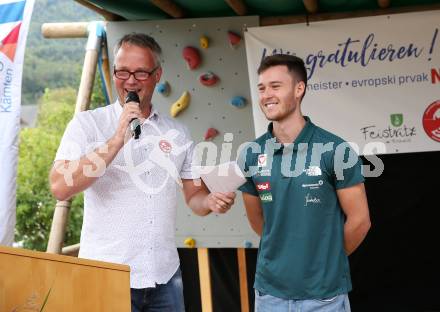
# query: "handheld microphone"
x,y
135,124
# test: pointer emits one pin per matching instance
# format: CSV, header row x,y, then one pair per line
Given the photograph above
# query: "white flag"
x,y
14,23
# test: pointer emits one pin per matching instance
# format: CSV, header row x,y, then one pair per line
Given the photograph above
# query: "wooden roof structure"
x,y
272,12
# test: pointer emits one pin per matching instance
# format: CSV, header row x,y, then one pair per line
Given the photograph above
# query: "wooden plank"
x,y
19,252
311,6
238,6
384,3
169,7
205,279
31,281
108,16
242,273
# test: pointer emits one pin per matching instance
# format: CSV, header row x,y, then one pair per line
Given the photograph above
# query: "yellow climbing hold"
x,y
190,242
204,42
181,104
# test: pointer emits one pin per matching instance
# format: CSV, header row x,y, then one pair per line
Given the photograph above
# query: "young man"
x,y
303,198
130,184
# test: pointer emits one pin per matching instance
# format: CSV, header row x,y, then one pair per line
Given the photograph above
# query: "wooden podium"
x,y
38,281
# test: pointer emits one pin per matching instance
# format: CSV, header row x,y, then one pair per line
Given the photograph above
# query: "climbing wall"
x,y
210,106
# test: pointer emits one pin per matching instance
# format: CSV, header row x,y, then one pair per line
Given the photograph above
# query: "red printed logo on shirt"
x,y
262,160
263,186
165,146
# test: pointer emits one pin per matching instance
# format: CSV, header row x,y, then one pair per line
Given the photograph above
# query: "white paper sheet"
x,y
226,177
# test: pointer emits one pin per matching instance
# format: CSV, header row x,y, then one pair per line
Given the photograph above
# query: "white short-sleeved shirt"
x,y
130,211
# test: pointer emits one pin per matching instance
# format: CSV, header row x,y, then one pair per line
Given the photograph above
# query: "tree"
x,y
53,63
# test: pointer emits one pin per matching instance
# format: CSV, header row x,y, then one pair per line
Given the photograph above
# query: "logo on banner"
x,y
263,186
12,16
431,121
396,119
397,132
8,45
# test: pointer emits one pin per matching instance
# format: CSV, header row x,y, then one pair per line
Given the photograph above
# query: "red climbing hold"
x,y
211,133
208,79
192,57
234,39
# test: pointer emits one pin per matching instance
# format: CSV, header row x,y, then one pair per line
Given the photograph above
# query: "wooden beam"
x,y
242,274
108,16
311,6
238,6
296,19
87,80
65,30
169,7
58,228
107,71
383,4
71,250
205,279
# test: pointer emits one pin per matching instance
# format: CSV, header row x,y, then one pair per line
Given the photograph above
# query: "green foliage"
x,y
35,204
53,63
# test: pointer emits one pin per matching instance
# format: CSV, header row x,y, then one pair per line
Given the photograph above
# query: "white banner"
x,y
371,79
14,23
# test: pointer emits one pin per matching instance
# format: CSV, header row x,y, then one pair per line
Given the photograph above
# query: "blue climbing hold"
x,y
247,244
238,101
163,88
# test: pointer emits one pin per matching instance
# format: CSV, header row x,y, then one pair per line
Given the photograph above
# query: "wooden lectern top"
x,y
39,281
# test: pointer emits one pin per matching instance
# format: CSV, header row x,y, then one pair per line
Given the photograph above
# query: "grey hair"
x,y
140,40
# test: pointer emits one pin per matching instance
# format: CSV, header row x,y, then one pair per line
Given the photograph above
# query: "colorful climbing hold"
x,y
234,39
211,133
189,242
208,79
204,42
238,101
181,104
192,57
163,88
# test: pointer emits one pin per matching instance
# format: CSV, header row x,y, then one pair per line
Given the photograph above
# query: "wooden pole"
x,y
106,69
61,213
65,30
242,273
71,250
58,227
205,279
87,80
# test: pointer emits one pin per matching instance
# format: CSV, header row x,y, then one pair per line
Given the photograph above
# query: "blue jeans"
x,y
162,298
268,303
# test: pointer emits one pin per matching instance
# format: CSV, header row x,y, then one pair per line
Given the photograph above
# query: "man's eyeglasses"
x,y
140,75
